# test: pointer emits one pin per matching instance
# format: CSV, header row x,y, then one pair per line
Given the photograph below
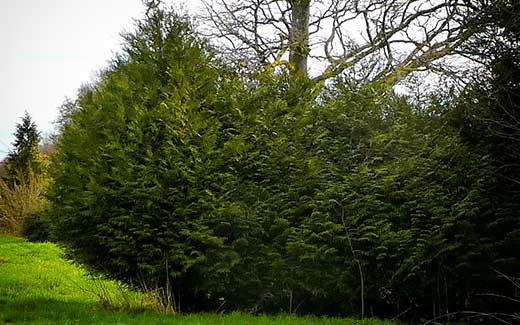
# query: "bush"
x,y
36,228
20,203
139,168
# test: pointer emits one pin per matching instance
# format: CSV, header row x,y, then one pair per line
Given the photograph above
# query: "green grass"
x,y
38,286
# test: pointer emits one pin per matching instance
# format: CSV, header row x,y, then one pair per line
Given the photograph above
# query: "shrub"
x,y
21,204
37,228
137,172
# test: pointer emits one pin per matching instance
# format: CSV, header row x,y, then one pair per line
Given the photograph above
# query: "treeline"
x,y
175,173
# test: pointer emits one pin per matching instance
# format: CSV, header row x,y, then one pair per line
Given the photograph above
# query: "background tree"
x,y
367,40
25,158
23,186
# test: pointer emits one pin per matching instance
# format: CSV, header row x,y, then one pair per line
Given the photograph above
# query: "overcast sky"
x,y
49,48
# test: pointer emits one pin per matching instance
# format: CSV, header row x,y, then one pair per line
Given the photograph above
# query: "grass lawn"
x,y
38,286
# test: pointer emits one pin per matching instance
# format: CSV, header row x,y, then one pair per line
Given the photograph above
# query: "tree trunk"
x,y
299,38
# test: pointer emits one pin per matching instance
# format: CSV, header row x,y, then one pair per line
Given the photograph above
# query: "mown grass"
x,y
38,286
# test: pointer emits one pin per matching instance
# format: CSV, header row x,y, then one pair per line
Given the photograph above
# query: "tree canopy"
x,y
369,41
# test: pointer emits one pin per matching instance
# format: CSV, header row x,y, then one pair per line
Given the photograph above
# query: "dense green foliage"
x,y
488,114
173,172
136,180
38,286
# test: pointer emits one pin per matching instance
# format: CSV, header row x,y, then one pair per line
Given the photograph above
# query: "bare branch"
x,y
343,36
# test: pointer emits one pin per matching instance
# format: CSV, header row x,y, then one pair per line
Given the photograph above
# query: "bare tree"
x,y
371,40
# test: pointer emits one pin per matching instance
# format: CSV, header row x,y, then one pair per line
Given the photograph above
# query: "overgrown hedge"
x,y
174,172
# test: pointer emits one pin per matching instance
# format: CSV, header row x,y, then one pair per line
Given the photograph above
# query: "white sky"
x,y
49,48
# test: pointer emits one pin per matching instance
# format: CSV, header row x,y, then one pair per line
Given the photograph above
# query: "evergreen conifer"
x,y
25,158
